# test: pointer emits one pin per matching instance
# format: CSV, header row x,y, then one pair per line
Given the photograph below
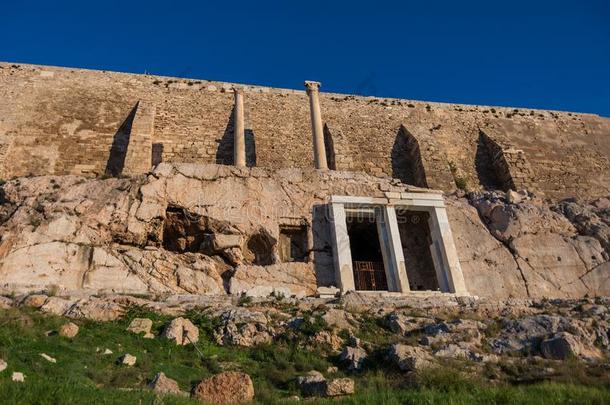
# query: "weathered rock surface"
x,y
35,300
340,386
141,325
312,384
229,387
5,302
353,357
564,345
286,279
128,360
242,327
18,376
315,385
181,331
161,384
410,358
206,229
68,330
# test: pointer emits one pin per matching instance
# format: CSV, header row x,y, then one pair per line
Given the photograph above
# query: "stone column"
x,y
342,254
239,140
394,246
444,254
319,151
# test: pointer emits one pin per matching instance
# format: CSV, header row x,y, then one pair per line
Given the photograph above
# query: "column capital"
x,y
312,86
238,90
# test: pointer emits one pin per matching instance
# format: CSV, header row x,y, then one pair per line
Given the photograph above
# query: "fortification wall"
x,y
72,121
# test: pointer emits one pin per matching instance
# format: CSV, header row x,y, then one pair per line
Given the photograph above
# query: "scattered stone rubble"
x,y
425,333
315,385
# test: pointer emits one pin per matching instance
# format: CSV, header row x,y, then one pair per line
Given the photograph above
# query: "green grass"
x,y
84,375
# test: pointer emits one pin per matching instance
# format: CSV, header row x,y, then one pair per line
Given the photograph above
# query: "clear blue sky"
x,y
539,54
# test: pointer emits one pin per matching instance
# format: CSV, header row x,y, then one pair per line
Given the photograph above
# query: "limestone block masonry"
x,y
73,121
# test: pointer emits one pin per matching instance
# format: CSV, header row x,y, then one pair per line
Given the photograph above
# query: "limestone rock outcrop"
x,y
161,384
409,358
216,230
229,387
286,279
181,331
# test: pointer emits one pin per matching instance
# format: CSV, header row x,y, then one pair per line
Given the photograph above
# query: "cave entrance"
x,y
182,231
416,240
367,257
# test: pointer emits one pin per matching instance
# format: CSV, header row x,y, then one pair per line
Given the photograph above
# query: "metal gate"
x,y
370,276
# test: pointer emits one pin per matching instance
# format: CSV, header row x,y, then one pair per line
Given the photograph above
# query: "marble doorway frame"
x,y
444,254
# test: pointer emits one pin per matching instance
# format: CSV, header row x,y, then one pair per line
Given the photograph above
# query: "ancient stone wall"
x,y
68,121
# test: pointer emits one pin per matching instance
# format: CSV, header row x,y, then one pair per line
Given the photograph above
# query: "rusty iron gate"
x,y
370,276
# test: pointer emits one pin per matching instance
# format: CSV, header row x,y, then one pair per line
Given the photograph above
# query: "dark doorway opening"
x,y
293,244
156,154
367,259
415,238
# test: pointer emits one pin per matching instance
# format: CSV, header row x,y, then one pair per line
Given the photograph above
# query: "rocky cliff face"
x,y
521,246
212,229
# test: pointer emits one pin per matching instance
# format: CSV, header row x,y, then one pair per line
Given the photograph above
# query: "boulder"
x,y
561,346
18,376
462,351
339,319
326,338
242,327
353,357
313,384
97,309
68,330
339,387
35,300
230,387
161,384
128,360
410,358
404,325
523,335
3,365
458,330
181,331
141,325
57,305
512,197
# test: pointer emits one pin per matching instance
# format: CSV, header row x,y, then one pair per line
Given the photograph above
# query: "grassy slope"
x,y
83,374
